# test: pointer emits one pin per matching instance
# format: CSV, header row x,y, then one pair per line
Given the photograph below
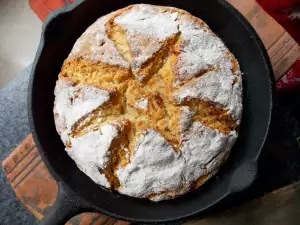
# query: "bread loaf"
x,y
149,102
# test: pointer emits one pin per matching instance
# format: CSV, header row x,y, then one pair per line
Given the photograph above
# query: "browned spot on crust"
x,y
235,64
117,34
155,63
212,116
201,180
68,145
91,121
119,148
235,81
173,194
101,75
154,195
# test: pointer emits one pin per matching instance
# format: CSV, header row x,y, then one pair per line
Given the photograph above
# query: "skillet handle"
x,y
67,205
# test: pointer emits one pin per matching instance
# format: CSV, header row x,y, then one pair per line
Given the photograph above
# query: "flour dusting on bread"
x,y
149,101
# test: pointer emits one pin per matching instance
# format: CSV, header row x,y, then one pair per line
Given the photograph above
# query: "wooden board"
x,y
282,48
280,207
37,189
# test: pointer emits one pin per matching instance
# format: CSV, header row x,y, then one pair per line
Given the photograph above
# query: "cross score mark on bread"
x,y
149,101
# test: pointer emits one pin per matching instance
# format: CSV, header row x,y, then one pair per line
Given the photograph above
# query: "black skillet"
x,y
77,193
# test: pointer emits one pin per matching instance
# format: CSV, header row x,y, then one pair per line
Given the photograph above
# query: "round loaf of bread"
x,y
148,102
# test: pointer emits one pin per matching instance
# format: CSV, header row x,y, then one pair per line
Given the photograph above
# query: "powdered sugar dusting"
x,y
201,146
146,27
217,87
74,102
235,104
200,50
142,104
157,168
91,152
185,118
94,45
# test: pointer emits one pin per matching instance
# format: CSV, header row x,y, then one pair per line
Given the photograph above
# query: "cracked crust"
x,y
149,101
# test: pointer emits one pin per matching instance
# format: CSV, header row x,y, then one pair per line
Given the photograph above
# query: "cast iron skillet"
x,y
77,193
